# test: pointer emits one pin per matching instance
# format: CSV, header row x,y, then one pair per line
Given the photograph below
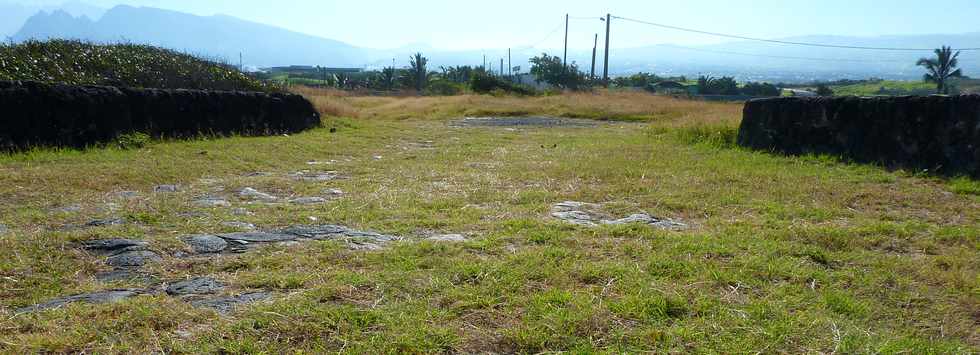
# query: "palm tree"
x,y
941,68
420,73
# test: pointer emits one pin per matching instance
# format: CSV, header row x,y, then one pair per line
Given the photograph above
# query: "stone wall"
x,y
38,114
939,133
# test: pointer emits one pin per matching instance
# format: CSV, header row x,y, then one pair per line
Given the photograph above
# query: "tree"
x,y
941,69
418,71
553,71
387,78
713,86
824,90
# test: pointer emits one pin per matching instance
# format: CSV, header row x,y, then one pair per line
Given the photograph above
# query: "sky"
x,y
458,24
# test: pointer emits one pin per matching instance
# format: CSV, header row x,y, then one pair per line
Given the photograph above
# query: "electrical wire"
x,y
780,56
807,44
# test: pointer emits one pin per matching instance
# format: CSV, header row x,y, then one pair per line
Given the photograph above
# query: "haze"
x,y
456,25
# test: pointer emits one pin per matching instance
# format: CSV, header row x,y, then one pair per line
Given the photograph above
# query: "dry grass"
x,y
601,105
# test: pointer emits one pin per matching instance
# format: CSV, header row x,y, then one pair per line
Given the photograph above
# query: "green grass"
x,y
786,254
887,87
129,65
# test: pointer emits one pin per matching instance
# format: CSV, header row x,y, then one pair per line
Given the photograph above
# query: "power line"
x,y
781,56
545,39
807,44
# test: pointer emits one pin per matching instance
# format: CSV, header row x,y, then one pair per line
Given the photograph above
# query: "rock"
x,y
569,206
587,214
333,192
575,217
257,237
257,174
134,258
239,225
309,200
3,228
106,222
128,194
455,238
212,202
329,232
195,286
112,245
206,244
228,304
241,212
364,246
378,157
253,194
315,177
92,298
123,275
165,189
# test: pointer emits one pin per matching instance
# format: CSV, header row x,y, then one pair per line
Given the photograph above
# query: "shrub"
x,y
483,83
135,140
760,89
124,65
443,88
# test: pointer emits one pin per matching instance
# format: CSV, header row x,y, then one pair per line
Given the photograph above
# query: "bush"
x,y
443,88
135,140
760,89
483,83
122,65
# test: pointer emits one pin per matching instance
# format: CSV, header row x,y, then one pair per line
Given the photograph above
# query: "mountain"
x,y
261,45
15,15
219,36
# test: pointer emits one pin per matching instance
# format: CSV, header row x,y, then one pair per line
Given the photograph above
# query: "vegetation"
x,y
418,72
785,254
708,85
127,65
941,69
484,83
552,70
824,90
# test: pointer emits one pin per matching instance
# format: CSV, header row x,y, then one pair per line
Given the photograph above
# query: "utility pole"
x,y
605,69
565,58
510,67
501,67
594,48
241,65
485,62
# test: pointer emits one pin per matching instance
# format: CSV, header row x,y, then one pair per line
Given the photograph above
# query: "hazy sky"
x,y
456,24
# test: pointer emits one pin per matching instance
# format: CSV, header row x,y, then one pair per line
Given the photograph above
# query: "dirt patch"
x,y
531,121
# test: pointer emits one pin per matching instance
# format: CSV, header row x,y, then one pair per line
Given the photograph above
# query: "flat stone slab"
x,y
533,121
128,194
195,286
253,194
315,176
589,215
166,188
332,232
106,222
239,225
3,228
308,200
123,275
258,237
133,258
91,298
209,202
450,238
112,245
206,244
229,304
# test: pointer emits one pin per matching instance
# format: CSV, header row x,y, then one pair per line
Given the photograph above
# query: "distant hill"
x,y
15,15
219,36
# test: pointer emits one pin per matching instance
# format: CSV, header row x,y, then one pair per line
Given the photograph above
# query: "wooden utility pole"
x,y
565,58
605,69
501,67
595,47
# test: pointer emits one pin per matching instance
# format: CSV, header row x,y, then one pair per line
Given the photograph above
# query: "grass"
x,y
786,254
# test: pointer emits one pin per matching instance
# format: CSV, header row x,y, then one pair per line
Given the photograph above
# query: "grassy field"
x,y
784,254
891,87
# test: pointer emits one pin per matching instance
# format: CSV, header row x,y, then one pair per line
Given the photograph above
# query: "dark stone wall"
x,y
38,114
939,133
